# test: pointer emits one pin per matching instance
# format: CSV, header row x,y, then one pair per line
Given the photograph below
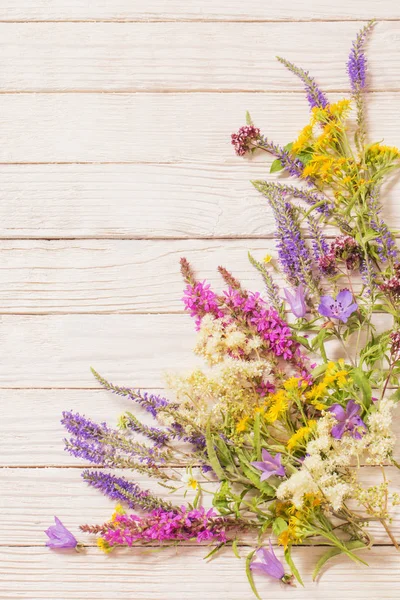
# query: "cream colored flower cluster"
x,y
329,467
217,339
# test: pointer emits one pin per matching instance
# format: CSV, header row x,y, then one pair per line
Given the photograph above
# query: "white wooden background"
x,y
115,160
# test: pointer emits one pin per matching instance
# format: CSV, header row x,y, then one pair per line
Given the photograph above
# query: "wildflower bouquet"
x,y
300,385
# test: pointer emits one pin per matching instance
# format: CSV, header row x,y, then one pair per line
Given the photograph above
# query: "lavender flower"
x,y
269,564
339,308
293,252
311,196
150,402
157,435
104,446
292,165
315,97
357,63
270,465
297,301
122,490
59,536
348,420
319,243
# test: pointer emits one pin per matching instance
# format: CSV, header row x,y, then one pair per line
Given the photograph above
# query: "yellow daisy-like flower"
x,y
267,258
119,510
242,425
277,405
301,435
291,384
103,545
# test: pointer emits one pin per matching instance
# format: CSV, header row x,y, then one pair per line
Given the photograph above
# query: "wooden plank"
x,y
109,276
37,57
31,433
158,10
157,127
141,201
39,574
55,351
31,496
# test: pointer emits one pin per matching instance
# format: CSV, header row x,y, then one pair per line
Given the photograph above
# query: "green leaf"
x,y
250,575
276,166
213,551
263,486
361,380
235,549
212,455
278,526
289,560
249,120
288,147
257,438
331,553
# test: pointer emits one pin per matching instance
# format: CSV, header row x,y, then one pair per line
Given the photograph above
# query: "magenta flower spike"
x,y
297,301
347,420
59,536
339,308
269,564
270,465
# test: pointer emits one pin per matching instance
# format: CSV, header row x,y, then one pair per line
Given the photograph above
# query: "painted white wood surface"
x,y
121,130
207,10
186,56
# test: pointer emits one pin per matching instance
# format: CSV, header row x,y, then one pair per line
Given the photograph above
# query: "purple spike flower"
x,y
269,564
270,465
347,420
339,308
59,536
297,301
292,165
357,63
122,490
315,97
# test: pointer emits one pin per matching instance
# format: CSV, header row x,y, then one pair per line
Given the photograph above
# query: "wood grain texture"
x,y
173,574
188,56
156,163
142,201
55,351
30,497
118,276
207,10
166,128
31,434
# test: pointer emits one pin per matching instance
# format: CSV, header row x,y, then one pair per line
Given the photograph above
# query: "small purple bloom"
x,y
59,536
270,465
340,308
269,563
348,420
297,301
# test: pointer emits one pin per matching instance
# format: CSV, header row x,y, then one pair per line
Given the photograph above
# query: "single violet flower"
x,y
270,465
297,301
347,420
269,563
340,307
59,536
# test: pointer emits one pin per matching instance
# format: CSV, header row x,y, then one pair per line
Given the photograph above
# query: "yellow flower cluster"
x,y
301,435
334,374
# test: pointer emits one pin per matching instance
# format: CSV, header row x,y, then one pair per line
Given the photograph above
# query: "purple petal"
x,y
261,466
338,430
352,409
347,312
266,475
345,297
338,411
